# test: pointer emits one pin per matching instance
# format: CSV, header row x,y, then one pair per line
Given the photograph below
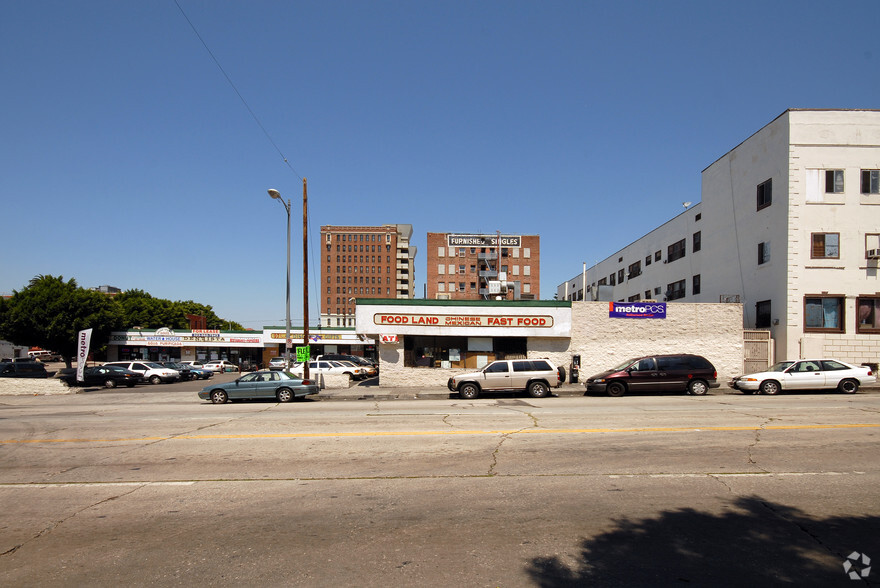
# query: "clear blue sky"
x,y
128,159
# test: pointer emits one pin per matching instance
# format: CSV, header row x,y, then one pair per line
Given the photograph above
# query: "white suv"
x,y
150,371
536,376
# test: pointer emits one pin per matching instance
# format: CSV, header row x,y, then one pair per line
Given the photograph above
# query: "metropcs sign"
x,y
655,310
463,320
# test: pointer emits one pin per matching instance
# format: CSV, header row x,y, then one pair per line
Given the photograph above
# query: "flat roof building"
x,y
357,262
788,225
483,267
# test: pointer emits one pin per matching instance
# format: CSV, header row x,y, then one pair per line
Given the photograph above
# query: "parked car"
x,y
371,369
150,371
693,374
109,376
536,376
24,369
186,373
806,374
44,355
219,366
329,368
277,363
282,386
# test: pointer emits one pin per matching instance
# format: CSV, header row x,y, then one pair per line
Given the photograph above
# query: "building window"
x,y
825,246
869,314
635,270
647,294
823,314
765,194
676,251
762,314
698,217
647,260
611,281
763,252
695,289
675,290
634,298
656,256
834,181
619,276
698,241
657,291
870,181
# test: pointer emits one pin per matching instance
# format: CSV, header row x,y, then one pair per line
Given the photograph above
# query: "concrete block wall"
x,y
33,387
711,330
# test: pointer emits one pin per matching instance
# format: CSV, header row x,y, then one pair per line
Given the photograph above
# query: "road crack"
x,y
57,524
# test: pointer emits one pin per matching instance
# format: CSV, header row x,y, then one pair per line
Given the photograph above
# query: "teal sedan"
x,y
282,386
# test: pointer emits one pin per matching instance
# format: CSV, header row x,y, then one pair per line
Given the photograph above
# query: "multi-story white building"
x,y
789,225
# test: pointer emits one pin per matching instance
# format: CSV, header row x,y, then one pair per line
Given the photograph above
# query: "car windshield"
x,y
780,367
624,365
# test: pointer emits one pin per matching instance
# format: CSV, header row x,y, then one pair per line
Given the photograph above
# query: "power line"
x,y
235,89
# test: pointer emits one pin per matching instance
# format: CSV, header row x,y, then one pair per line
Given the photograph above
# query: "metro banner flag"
x,y
639,310
84,339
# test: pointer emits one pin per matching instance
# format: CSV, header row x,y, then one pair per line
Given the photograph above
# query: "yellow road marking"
x,y
446,433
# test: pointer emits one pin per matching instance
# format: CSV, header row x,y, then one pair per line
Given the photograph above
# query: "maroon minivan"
x,y
657,373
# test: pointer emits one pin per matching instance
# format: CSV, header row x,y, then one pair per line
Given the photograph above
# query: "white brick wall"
x,y
33,387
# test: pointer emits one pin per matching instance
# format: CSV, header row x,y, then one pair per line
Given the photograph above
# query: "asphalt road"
x,y
152,486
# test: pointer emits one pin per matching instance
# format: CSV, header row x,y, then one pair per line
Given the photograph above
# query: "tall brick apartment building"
x,y
463,266
363,262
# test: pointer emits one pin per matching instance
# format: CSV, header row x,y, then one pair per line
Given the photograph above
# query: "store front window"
x,y
460,352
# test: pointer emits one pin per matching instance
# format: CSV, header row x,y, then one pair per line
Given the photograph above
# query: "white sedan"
x,y
806,374
330,367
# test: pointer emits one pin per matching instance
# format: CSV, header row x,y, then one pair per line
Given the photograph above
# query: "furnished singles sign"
x,y
483,240
640,310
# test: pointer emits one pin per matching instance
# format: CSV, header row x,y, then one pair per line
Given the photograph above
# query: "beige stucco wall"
x,y
711,330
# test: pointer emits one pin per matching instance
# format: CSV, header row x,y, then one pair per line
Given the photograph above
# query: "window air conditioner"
x,y
873,253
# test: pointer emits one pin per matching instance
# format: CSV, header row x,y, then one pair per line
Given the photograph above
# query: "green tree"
x,y
50,312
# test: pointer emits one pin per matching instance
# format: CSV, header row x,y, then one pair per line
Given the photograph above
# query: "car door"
x,y
643,376
243,387
672,373
496,376
805,375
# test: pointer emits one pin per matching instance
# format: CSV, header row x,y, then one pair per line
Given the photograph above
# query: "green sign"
x,y
303,354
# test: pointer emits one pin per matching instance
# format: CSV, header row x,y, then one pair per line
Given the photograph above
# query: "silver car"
x,y
536,376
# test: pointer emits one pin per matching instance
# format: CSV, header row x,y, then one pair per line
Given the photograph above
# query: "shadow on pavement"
x,y
756,543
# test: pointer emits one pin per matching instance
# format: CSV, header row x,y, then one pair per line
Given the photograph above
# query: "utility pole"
x,y
306,278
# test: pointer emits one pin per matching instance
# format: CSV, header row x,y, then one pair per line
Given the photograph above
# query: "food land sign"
x,y
638,310
452,320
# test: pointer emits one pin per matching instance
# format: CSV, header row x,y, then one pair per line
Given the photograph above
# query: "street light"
x,y
277,196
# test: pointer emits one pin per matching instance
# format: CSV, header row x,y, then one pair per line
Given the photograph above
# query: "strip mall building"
x,y
424,342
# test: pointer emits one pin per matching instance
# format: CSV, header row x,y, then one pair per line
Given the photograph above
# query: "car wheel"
x,y
469,391
848,386
538,390
769,387
616,389
219,397
698,387
284,395
155,380
110,384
